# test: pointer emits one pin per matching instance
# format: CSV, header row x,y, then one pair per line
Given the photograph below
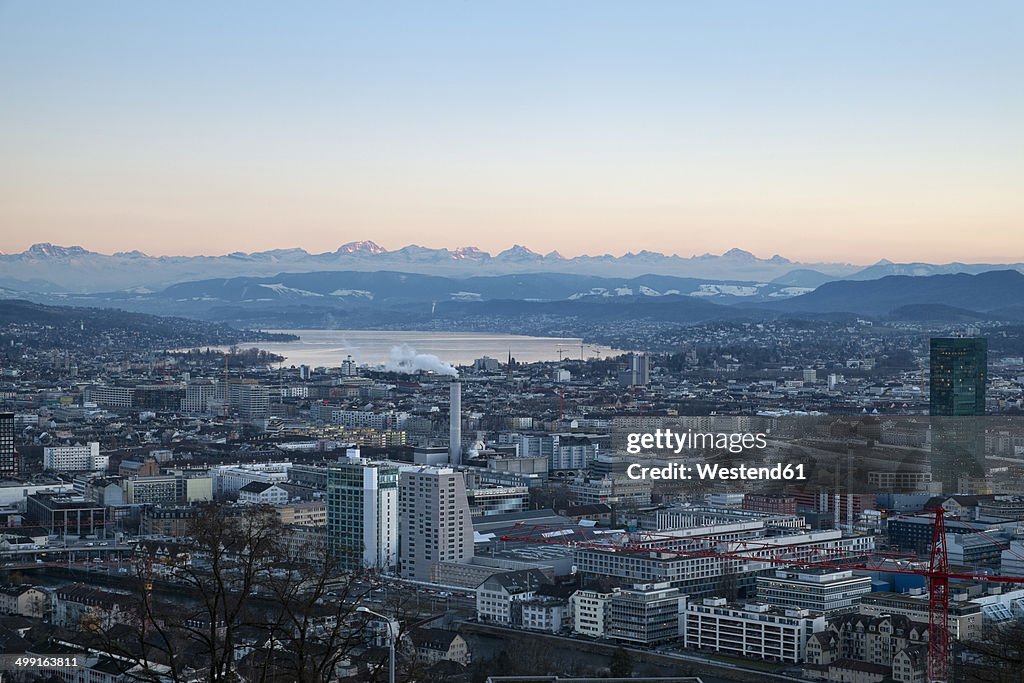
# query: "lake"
x,y
328,348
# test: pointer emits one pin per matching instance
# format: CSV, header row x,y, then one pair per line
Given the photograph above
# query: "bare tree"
x,y
239,590
999,658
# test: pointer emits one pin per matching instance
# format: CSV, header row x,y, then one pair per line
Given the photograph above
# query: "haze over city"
x,y
818,131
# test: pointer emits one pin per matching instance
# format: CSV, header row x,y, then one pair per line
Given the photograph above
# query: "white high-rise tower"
x,y
455,425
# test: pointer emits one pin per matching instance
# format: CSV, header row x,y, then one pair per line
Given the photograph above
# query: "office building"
x,y
497,500
198,396
110,396
167,488
65,514
828,591
362,513
434,520
959,369
646,614
752,630
8,456
250,400
637,371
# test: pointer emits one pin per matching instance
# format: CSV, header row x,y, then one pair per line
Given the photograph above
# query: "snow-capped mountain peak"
x,y
518,252
44,250
363,247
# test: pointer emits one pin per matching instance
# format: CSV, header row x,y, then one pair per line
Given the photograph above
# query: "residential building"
x,y
498,595
24,600
78,458
774,503
590,610
434,520
79,606
435,645
262,493
965,620
893,645
311,513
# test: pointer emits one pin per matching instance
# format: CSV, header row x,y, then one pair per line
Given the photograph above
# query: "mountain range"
x,y
370,299
48,268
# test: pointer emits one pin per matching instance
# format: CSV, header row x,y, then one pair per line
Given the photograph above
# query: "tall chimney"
x,y
455,425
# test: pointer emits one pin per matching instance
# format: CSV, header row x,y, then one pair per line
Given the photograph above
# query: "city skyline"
x,y
822,133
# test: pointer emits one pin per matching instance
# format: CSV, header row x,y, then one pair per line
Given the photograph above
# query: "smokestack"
x,y
455,425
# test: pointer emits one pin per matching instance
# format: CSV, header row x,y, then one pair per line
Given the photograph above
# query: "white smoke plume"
x,y
405,359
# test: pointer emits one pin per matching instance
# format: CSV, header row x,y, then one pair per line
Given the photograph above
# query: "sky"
x,y
822,131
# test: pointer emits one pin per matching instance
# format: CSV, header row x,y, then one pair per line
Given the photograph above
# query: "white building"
x,y
228,479
543,613
819,590
686,564
198,396
76,458
590,610
262,493
362,513
252,401
752,630
361,418
497,596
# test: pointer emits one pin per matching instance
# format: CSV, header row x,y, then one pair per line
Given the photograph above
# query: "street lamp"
x,y
391,640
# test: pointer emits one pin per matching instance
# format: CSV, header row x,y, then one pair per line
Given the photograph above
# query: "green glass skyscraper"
x,y
959,370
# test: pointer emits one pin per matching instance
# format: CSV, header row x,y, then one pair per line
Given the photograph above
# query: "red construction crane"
x,y
937,572
938,602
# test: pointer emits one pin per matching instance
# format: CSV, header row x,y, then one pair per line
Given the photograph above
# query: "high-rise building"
x,y
8,456
252,401
637,371
959,369
434,521
362,513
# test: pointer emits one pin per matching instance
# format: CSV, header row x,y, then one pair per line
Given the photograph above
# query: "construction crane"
x,y
937,572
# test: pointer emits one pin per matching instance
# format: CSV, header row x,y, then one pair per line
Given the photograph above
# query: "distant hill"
x,y
41,326
803,277
671,309
885,268
329,294
936,313
983,293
